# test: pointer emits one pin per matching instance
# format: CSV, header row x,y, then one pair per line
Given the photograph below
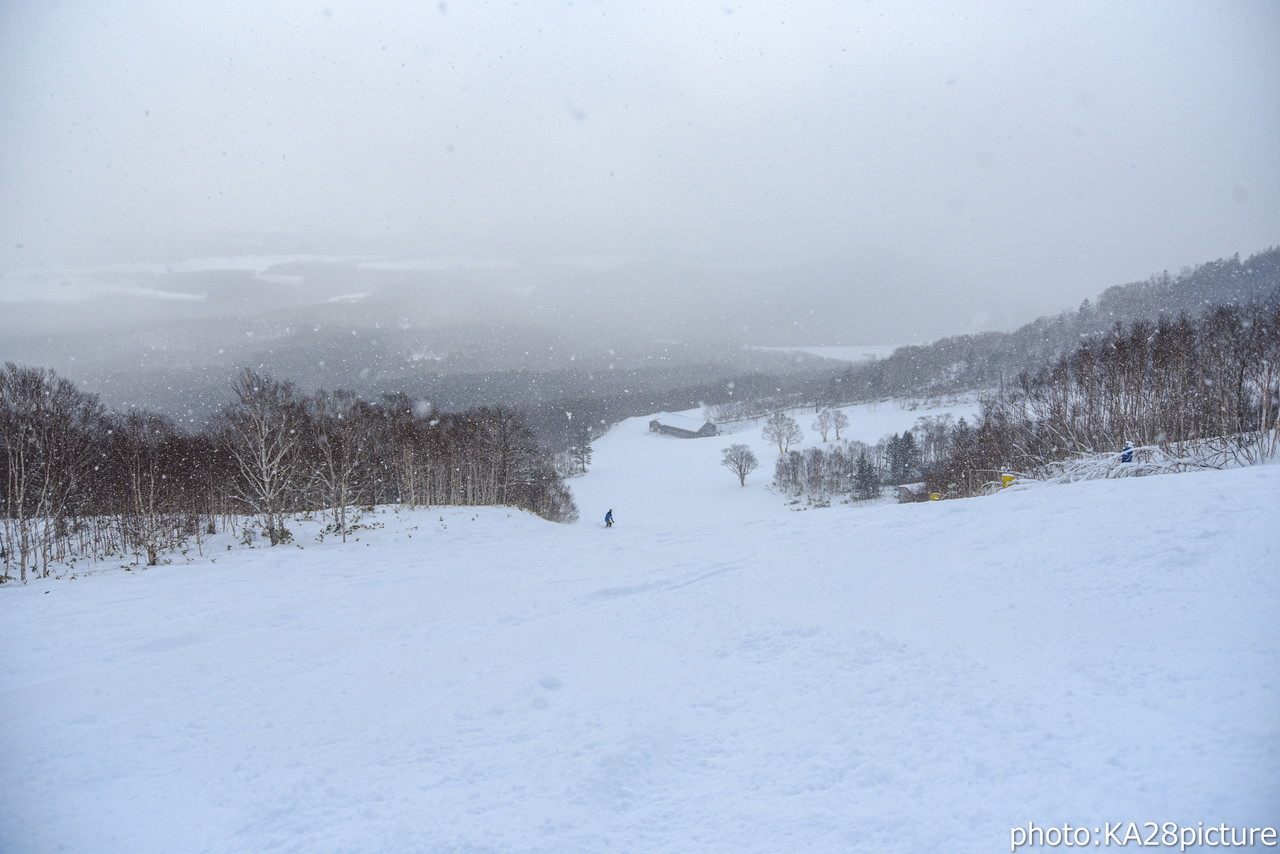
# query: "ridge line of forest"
x,y
965,363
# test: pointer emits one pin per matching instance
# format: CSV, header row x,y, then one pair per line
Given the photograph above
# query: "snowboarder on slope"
x,y
608,519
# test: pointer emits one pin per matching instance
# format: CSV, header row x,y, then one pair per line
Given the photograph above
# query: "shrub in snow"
x,y
1147,460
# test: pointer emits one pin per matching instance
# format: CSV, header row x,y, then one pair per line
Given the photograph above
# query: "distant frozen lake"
x,y
853,353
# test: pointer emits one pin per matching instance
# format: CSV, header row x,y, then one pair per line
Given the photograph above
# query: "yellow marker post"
x,y
1005,480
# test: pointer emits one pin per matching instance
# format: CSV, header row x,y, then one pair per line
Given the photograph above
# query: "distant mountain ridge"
x,y
974,362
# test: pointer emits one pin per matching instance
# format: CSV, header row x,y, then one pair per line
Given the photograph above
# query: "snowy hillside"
x,y
717,673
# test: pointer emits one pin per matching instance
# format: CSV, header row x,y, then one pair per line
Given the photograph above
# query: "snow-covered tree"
x,y
839,421
824,423
782,430
788,473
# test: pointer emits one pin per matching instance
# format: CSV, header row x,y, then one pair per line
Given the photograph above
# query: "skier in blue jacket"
x,y
608,519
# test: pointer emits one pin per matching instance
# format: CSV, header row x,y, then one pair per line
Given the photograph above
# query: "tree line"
x,y
858,470
1194,391
1212,382
843,467
82,482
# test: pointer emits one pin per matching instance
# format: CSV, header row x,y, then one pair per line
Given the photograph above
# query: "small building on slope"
x,y
682,427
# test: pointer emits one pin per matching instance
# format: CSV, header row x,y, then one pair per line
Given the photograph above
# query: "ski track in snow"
x,y
717,673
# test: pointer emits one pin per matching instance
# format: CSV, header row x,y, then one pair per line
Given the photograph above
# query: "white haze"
x,y
972,165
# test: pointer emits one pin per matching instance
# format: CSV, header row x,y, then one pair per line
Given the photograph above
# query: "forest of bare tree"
x,y
1204,389
83,483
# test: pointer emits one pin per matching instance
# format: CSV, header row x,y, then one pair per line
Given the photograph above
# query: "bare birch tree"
x,y
151,513
824,423
339,449
782,430
261,432
839,421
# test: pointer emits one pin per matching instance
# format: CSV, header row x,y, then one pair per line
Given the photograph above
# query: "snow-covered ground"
x,y
717,673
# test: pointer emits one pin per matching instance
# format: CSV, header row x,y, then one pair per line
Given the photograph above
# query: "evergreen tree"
x,y
580,447
904,457
866,482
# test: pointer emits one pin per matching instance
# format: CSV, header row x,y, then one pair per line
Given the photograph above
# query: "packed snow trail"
x,y
737,677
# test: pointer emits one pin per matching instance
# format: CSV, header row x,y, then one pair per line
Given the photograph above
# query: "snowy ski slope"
x,y
717,673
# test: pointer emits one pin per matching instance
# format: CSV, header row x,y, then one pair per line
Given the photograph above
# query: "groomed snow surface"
x,y
717,673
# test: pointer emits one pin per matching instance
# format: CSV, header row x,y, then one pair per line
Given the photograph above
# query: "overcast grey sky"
x,y
1050,147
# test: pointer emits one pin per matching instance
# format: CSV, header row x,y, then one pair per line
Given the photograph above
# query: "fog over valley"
x,y
384,197
169,336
